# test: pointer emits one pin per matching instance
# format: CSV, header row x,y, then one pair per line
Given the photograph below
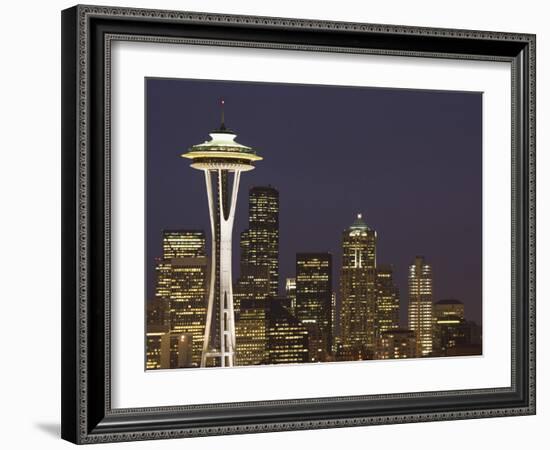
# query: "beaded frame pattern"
x,y
84,13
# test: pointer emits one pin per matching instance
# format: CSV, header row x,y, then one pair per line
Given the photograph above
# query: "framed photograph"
x,y
282,224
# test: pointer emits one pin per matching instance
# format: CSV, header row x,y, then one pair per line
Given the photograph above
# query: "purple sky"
x,y
409,160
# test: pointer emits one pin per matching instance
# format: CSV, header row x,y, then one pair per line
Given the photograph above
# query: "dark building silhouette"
x,y
396,343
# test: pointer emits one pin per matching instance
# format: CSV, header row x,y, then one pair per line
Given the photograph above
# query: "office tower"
x,y
333,322
182,244
222,160
358,289
185,350
421,305
158,311
313,301
253,284
181,287
251,333
259,260
448,307
153,345
468,340
176,350
263,232
448,333
167,350
396,343
290,291
387,300
453,334
287,337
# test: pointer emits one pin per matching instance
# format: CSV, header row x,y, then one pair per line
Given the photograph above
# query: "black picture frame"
x,y
87,416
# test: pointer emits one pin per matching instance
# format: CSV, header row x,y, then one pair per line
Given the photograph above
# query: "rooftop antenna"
x,y
222,106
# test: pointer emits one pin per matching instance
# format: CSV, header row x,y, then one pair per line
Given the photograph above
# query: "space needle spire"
x,y
222,160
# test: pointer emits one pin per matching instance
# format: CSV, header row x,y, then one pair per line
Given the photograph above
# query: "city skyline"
x,y
395,248
297,328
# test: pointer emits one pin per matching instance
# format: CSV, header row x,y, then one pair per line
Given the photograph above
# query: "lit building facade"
x,y
420,312
158,311
287,337
183,244
167,350
182,284
334,323
259,259
396,344
251,333
448,307
253,284
387,300
358,288
222,160
448,333
314,300
263,232
290,291
153,345
176,350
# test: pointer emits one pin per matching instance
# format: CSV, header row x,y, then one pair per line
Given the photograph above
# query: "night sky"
x,y
408,160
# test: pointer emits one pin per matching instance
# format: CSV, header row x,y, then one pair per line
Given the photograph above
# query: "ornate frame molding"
x,y
87,422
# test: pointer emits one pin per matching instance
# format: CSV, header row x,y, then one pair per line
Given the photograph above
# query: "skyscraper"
x,y
290,291
219,158
313,301
166,350
421,305
287,337
263,232
153,345
259,260
387,300
251,332
253,284
358,287
182,276
453,334
448,332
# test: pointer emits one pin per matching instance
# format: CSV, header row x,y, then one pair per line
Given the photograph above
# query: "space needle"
x,y
222,160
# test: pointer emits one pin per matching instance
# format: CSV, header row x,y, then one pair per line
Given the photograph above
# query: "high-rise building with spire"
x,y
420,312
358,288
222,160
